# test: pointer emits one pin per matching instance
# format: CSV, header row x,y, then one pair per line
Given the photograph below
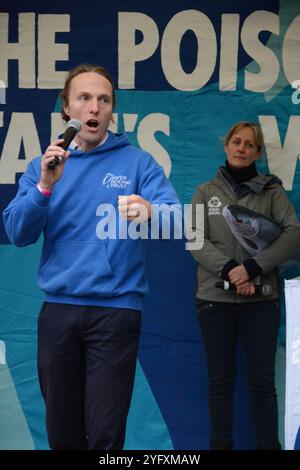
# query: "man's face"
x,y
90,101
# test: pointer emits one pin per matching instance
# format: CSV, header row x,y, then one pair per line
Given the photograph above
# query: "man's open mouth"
x,y
92,123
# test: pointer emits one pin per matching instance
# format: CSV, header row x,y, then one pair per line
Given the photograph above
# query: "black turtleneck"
x,y
240,175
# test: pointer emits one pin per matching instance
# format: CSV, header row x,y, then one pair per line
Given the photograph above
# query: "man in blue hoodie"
x,y
89,324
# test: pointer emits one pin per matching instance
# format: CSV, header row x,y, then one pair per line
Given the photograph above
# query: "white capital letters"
x,y
22,51
259,21
282,159
21,128
229,51
49,51
290,51
146,138
204,31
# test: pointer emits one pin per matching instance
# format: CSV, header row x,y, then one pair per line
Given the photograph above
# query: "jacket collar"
x,y
254,185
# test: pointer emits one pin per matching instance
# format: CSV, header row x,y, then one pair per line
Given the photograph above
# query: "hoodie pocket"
x,y
77,268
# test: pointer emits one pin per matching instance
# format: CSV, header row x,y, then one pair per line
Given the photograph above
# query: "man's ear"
x,y
67,110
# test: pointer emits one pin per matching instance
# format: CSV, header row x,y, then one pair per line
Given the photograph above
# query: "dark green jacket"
x,y
263,194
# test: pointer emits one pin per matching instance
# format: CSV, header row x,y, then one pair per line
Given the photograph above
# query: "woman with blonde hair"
x,y
225,315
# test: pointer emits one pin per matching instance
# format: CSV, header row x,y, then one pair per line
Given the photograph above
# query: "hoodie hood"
x,y
114,141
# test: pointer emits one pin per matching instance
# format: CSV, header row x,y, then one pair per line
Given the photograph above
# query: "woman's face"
x,y
242,149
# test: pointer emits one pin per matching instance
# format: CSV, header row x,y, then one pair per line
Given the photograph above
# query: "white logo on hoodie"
x,y
214,205
113,181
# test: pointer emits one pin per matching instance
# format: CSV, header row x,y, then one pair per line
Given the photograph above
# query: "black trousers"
x,y
257,325
86,363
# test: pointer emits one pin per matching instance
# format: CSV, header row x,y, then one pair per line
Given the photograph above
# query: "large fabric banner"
x,y
185,71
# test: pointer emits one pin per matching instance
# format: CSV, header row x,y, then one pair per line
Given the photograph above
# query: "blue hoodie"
x,y
76,266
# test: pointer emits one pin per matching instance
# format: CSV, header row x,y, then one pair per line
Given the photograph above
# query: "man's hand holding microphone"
x,y
54,158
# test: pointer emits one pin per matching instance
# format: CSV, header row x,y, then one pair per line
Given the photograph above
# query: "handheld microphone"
x,y
264,289
73,126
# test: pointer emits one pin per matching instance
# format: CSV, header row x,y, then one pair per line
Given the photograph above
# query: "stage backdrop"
x,y
185,72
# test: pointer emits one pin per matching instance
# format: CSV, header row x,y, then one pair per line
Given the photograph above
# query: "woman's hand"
x,y
248,288
238,275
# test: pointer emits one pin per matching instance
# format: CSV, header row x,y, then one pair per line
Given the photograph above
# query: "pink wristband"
x,y
45,192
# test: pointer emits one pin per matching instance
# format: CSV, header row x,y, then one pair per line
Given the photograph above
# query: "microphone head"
x,y
266,289
224,285
75,123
